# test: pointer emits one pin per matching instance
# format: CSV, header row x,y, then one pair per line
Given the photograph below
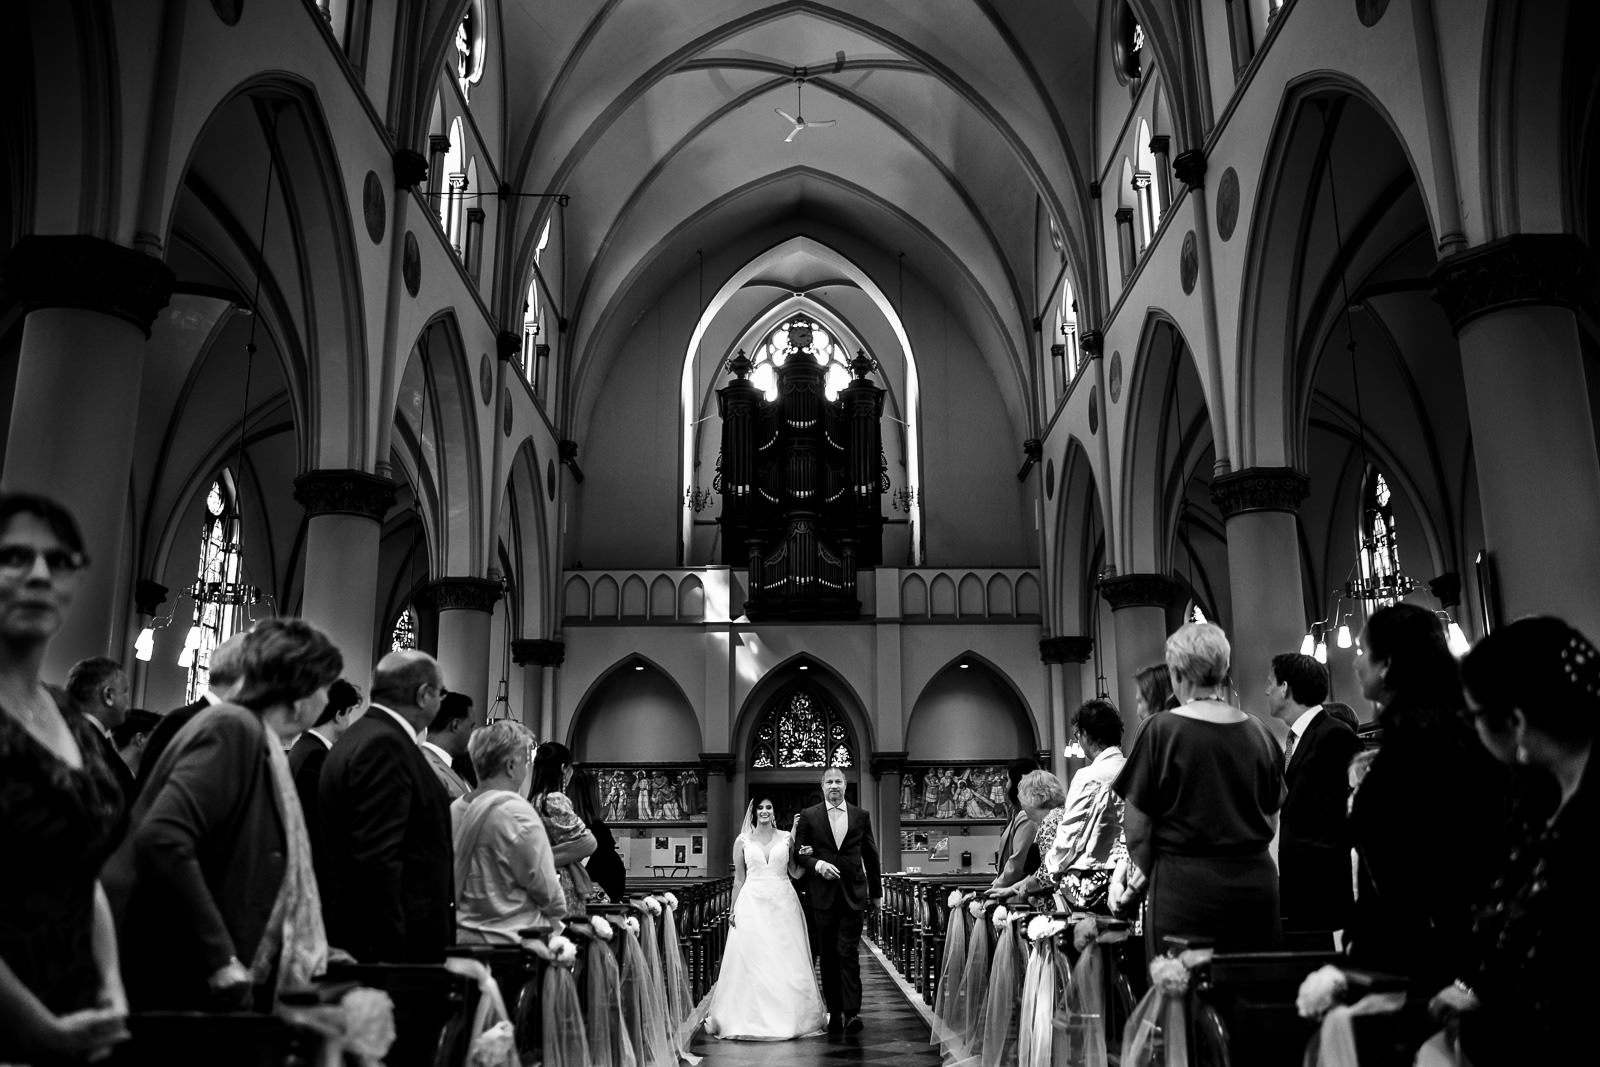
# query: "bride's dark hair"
x,y
756,800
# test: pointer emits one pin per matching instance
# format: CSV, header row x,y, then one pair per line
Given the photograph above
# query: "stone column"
x,y
1139,614
534,655
1064,657
344,520
1533,437
888,769
1259,506
465,607
89,306
721,818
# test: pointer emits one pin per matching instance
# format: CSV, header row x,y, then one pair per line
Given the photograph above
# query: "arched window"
x,y
1381,577
467,56
1127,44
452,205
1066,353
769,356
403,634
214,622
1146,192
534,364
802,728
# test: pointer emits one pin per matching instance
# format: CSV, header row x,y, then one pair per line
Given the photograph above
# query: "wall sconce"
x,y
699,499
904,499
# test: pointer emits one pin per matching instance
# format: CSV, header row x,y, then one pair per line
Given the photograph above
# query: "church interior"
x,y
725,388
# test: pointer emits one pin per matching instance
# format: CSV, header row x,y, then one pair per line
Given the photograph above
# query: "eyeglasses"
x,y
20,559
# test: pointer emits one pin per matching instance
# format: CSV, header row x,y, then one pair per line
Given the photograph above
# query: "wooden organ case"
x,y
802,478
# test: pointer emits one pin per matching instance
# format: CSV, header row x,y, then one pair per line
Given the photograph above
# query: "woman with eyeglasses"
x,y
61,993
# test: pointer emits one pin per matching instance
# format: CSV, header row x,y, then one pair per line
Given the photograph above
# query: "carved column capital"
x,y
1190,167
1138,590
79,271
1259,489
1091,344
462,594
538,652
411,168
722,763
1526,268
1069,649
345,492
508,346
882,763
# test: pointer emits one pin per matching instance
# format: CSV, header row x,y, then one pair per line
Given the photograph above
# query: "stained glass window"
x,y
403,635
802,729
1380,549
219,562
800,335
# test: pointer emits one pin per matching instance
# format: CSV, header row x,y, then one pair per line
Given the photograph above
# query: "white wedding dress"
x,y
766,990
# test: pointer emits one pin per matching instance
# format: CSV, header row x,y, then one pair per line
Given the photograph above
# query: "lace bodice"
x,y
760,863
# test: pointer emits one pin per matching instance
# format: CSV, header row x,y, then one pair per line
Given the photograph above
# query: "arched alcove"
x,y
636,714
969,711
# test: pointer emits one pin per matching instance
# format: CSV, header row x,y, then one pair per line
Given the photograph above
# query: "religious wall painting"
x,y
651,794
953,792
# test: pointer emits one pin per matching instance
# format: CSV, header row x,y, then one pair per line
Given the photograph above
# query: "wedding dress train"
x,y
766,990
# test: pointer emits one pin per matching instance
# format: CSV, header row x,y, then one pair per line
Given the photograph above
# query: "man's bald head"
x,y
399,679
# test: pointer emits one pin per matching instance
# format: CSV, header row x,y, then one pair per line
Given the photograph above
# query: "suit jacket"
x,y
856,858
1314,843
113,759
195,880
389,894
305,765
165,731
454,785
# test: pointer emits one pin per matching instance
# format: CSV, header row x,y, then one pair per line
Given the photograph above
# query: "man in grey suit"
x,y
833,842
446,740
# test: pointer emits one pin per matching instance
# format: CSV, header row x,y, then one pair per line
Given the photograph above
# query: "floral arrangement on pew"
x,y
1092,936
1322,998
1045,987
360,1025
1157,1031
565,1043
948,1033
997,1045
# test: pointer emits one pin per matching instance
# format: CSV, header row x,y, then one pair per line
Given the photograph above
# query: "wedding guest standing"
x,y
605,865
133,736
1018,856
216,900
310,752
1080,857
388,895
1428,821
221,675
1154,687
1202,786
446,739
1534,692
1314,841
61,991
97,689
571,842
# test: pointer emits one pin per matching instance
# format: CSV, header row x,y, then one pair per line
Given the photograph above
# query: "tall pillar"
x,y
720,816
1533,437
344,520
1139,616
465,607
89,306
534,655
1259,506
1064,657
888,770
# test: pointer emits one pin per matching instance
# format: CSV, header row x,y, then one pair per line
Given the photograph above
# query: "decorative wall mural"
x,y
953,792
651,793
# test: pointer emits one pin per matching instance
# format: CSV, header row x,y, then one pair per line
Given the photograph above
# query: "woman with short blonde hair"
x,y
1202,786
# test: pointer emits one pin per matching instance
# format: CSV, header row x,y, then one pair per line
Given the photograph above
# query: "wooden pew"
x,y
1246,1003
200,1039
433,1009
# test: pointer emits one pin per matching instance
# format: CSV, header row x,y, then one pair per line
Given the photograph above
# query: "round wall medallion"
x,y
1370,11
1094,411
1189,263
1049,478
411,264
485,377
550,478
229,11
506,416
1227,203
373,208
1116,377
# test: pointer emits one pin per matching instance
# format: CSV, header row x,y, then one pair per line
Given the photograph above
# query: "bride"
x,y
766,990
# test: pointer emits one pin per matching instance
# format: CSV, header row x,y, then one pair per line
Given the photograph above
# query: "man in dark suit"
x,y
1313,841
834,843
98,689
223,673
310,752
389,892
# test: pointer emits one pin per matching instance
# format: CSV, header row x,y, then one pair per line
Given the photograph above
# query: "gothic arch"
x,y
523,518
955,685
1079,550
778,680
657,708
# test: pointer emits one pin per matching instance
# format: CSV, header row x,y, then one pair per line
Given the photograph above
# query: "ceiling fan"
x,y
798,119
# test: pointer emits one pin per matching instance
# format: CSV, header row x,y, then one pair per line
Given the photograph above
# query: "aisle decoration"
x,y
609,1042
1157,1031
998,1045
1321,997
947,1033
1042,989
493,1041
359,1027
561,1024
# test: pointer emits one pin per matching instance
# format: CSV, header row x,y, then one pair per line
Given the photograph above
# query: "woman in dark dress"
x,y
1018,856
1534,692
1428,821
61,994
605,864
1202,788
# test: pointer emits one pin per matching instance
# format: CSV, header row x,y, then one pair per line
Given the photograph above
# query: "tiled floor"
x,y
896,1033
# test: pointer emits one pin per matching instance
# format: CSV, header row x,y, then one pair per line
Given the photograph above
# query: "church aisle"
x,y
896,1033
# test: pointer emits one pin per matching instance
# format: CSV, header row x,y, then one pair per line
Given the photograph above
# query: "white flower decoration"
x,y
954,899
602,928
670,900
1043,927
1000,916
563,947
652,905
631,923
1168,974
976,908
1320,991
1084,933
368,1022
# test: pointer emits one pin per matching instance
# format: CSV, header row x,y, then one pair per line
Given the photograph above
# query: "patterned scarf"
x,y
294,941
